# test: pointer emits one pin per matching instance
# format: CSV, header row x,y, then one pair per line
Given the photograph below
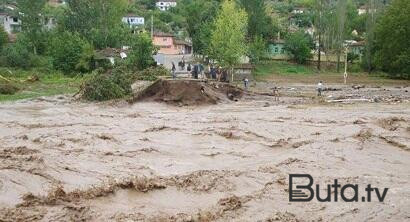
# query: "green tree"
x,y
32,20
96,20
257,49
259,22
374,11
142,51
70,52
228,43
199,15
392,42
298,45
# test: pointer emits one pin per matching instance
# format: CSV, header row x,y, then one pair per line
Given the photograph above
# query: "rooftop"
x,y
163,34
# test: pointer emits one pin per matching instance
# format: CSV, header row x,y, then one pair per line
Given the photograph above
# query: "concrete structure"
x,y
133,20
10,23
164,5
242,71
169,45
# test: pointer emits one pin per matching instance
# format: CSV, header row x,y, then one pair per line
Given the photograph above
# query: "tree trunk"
x,y
320,34
338,61
318,52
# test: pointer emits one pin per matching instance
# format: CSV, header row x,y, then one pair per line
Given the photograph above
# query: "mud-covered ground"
x,y
63,160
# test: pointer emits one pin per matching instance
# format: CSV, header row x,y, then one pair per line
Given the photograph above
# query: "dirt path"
x,y
67,161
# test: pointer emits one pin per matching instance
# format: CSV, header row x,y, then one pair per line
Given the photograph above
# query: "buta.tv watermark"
x,y
301,189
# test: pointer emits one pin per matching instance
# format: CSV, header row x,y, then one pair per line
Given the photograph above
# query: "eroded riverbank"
x,y
67,160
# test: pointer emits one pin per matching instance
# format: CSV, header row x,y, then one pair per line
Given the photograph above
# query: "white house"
x,y
11,24
298,10
133,20
164,5
364,9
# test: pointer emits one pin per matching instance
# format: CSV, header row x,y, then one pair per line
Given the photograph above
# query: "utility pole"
x,y
320,34
345,74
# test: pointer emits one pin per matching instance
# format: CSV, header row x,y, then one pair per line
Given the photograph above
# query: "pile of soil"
x,y
189,92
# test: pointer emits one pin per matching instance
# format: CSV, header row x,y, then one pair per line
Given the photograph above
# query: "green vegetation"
x,y
7,88
3,37
108,85
260,24
142,50
70,52
116,83
97,21
299,46
228,37
282,68
285,72
28,86
257,50
392,42
58,54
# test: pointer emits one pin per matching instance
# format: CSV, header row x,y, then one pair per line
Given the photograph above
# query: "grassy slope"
x,y
49,84
285,72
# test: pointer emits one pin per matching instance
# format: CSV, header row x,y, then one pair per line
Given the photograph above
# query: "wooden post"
x,y
345,74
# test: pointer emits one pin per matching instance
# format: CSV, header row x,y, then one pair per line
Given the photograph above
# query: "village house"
x,y
357,48
298,10
133,20
165,5
169,45
364,9
10,23
277,49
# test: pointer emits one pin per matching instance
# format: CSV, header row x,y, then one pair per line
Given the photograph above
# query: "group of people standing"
x,y
198,70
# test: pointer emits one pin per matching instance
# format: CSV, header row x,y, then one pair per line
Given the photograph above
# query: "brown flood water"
x,y
62,160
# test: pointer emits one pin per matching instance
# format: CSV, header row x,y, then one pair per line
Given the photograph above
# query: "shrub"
x,y
109,85
70,52
116,83
8,88
18,54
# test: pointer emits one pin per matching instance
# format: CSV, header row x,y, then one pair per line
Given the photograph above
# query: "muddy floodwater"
x,y
64,160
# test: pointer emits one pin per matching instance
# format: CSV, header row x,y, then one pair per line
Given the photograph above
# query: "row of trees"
x,y
223,30
383,28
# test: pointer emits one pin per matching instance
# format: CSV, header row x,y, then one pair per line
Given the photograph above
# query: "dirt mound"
x,y
189,92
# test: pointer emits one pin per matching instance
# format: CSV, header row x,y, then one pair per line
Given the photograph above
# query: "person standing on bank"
x,y
246,83
174,76
319,88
